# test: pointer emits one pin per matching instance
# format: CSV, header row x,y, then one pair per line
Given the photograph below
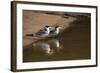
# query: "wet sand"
x,y
72,44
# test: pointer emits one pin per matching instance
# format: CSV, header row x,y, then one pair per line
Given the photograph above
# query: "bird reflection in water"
x,y
55,44
49,47
42,47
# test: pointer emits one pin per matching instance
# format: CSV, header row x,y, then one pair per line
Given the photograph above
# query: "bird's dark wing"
x,y
43,30
41,33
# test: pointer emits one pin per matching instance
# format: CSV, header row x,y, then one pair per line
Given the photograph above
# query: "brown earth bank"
x,y
34,21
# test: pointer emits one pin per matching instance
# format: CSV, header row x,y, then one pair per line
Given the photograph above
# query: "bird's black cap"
x,y
56,26
47,26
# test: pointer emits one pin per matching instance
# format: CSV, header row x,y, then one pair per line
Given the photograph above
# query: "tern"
x,y
41,33
55,31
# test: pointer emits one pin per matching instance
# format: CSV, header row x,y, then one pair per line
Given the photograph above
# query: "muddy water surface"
x,y
71,44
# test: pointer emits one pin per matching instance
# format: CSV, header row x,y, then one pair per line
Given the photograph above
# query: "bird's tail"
x,y
30,35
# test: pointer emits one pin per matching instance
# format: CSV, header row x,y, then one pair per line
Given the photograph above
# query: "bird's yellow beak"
x,y
60,27
50,27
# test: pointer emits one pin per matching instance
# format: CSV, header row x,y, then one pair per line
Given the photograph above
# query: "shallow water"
x,y
72,44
